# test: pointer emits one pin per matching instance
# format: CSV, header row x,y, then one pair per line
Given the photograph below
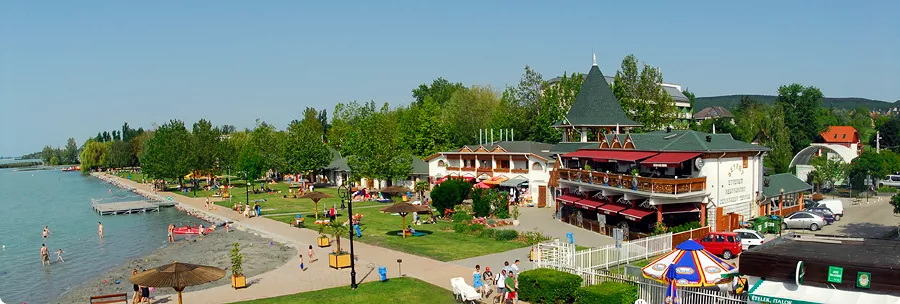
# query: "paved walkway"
x,y
288,279
542,220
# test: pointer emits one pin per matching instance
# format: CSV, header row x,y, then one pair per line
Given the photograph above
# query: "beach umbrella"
x,y
178,276
692,266
394,189
315,196
403,209
818,197
672,288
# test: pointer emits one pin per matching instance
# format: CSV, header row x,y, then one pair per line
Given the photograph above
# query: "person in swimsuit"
x,y
59,254
45,255
301,263
46,232
310,254
171,233
137,290
100,229
145,294
476,280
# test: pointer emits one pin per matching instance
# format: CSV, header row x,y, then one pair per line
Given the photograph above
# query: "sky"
x,y
73,68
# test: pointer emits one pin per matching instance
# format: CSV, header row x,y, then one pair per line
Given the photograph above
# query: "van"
x,y
890,181
836,207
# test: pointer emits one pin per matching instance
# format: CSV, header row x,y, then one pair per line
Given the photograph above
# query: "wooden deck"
x,y
129,207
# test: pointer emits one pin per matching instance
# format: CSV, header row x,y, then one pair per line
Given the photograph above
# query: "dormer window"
x,y
835,136
845,136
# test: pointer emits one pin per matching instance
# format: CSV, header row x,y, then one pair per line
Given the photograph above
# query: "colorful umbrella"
x,y
693,267
672,288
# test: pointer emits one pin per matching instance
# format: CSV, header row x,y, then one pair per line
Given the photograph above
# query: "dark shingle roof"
x,y
596,105
713,112
419,166
338,162
786,181
673,141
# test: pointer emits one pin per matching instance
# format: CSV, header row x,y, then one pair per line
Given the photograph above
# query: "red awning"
x,y
637,213
589,203
669,159
679,208
568,198
612,208
610,155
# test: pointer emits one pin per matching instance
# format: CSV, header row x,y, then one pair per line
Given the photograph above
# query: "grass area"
x,y
378,228
638,263
399,290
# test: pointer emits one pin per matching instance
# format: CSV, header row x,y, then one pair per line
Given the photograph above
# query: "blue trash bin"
x,y
570,237
383,272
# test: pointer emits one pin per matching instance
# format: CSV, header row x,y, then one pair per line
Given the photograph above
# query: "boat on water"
x,y
72,168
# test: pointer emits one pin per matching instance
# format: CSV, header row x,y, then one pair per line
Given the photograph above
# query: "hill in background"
x,y
731,101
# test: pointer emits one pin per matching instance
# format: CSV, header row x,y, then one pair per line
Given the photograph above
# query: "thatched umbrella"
x,y
818,197
178,276
315,197
395,189
403,209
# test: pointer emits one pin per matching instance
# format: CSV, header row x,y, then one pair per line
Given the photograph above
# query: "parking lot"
x,y
875,219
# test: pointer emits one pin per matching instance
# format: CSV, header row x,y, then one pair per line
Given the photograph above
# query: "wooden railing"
x,y
645,184
484,170
678,238
453,168
468,169
501,170
519,171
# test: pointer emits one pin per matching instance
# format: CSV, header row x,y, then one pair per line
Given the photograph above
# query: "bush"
x,y
449,194
685,227
500,203
544,285
476,228
487,233
887,189
461,227
506,235
462,217
481,201
607,293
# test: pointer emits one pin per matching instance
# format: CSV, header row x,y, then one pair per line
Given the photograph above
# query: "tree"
x,y
372,142
722,125
54,161
449,193
691,96
481,201
766,125
120,154
168,152
802,105
93,155
467,111
70,154
890,133
206,146
269,145
874,165
47,153
323,120
519,106
305,151
554,104
440,91
423,131
829,169
641,95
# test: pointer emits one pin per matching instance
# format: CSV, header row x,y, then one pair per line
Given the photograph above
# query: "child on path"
x,y
310,254
301,263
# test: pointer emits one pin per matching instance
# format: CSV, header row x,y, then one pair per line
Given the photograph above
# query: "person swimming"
x,y
59,254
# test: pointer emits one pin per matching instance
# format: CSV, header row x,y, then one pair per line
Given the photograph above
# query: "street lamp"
x,y
248,192
345,192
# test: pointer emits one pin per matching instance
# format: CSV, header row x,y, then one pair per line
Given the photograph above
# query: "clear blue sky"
x,y
72,68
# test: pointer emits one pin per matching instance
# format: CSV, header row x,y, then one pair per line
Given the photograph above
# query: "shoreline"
x,y
262,253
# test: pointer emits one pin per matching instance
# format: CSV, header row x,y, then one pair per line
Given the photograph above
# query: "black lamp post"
x,y
248,192
344,191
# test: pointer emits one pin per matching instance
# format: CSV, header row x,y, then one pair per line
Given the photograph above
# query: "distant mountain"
x,y
731,102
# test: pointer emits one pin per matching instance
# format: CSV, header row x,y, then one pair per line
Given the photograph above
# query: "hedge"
x,y
506,235
487,234
544,285
607,293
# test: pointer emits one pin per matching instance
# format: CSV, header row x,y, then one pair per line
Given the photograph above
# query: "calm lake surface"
x,y
30,200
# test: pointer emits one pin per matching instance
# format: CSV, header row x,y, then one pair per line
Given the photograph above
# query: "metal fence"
x,y
609,256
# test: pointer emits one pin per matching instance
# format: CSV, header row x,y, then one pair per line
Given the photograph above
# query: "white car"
x,y
750,238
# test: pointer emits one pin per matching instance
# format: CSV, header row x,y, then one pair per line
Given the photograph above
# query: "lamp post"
x,y
344,191
248,192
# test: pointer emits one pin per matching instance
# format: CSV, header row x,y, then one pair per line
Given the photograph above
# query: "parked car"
x,y
803,220
824,212
725,244
836,207
808,203
749,238
890,181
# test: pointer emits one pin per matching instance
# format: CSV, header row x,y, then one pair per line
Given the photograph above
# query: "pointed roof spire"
x,y
595,59
596,105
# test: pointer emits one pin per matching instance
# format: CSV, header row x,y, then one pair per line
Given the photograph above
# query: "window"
x,y
720,239
441,163
895,178
845,136
537,166
802,216
835,136
730,239
707,239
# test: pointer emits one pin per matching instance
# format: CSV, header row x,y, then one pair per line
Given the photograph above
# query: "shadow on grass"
x,y
418,233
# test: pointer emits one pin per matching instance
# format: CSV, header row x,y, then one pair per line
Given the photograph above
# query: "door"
x,y
542,196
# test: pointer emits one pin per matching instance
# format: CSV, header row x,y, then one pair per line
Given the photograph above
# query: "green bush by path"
x,y
399,290
607,293
449,193
548,286
506,235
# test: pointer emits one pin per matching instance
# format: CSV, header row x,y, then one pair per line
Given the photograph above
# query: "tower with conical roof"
x,y
596,111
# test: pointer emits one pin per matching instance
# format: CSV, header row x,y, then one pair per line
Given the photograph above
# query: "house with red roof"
x,y
846,136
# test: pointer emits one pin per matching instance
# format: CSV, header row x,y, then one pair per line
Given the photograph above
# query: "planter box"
x,y
338,261
239,282
324,242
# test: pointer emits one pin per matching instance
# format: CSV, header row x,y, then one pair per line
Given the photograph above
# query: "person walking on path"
x,y
311,254
511,283
477,282
45,255
515,267
501,286
488,278
301,262
100,229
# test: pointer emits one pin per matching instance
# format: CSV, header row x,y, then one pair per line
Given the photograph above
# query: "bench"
x,y
108,299
298,222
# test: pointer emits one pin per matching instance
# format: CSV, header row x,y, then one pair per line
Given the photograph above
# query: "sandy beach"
x,y
260,255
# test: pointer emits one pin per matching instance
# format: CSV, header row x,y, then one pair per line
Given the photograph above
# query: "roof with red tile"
x,y
840,134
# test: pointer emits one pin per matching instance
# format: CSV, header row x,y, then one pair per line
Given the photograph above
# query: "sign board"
x,y
619,236
863,279
835,274
776,300
736,183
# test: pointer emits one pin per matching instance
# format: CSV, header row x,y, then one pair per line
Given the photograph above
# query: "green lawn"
x,y
399,290
440,244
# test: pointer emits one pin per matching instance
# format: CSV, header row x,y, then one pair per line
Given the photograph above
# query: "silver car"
x,y
803,220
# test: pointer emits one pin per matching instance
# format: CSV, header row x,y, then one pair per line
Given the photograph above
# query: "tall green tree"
x,y
423,131
168,152
47,153
120,154
305,151
373,144
691,96
206,145
467,111
439,91
802,105
269,144
554,104
890,133
94,155
642,96
829,169
70,154
874,165
520,106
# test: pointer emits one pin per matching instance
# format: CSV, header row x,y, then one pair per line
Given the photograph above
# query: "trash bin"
x,y
570,237
383,272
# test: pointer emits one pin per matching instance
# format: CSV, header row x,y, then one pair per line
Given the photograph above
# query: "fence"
x,y
609,256
678,238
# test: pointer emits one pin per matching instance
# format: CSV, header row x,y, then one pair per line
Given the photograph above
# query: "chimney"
x,y
492,136
512,136
480,138
708,138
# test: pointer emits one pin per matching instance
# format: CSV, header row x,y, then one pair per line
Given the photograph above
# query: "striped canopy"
x,y
694,267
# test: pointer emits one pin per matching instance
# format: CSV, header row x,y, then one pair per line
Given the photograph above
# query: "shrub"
x,y
462,217
481,201
449,193
685,227
461,227
476,228
887,189
607,293
506,235
544,285
487,233
500,203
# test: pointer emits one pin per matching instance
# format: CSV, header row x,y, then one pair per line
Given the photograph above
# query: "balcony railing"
x,y
644,184
453,168
484,170
468,169
501,170
525,171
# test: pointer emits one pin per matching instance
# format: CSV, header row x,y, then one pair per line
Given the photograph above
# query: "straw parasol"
x,y
315,196
395,189
178,276
818,197
403,209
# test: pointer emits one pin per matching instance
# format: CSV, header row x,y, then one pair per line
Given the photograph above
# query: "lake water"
x,y
30,200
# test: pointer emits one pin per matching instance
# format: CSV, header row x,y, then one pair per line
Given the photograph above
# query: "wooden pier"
x,y
129,207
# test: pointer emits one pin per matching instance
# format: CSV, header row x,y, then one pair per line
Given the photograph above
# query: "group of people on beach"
x,y
506,282
45,253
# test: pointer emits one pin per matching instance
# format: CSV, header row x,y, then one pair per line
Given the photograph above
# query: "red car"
x,y
724,244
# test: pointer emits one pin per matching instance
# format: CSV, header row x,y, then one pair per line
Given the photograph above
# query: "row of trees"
x,y
58,156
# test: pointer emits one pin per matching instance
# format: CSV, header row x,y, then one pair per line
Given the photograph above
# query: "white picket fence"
x,y
609,256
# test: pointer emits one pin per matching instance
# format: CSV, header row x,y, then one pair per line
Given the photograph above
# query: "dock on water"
x,y
129,207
